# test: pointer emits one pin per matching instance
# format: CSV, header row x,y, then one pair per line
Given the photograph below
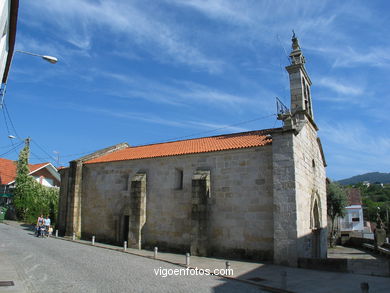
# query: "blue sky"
x,y
149,71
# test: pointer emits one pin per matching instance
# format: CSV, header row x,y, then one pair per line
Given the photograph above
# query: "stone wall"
x,y
74,179
239,208
311,188
63,201
299,196
284,198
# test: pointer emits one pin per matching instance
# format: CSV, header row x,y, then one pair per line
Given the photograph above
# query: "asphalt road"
x,y
54,265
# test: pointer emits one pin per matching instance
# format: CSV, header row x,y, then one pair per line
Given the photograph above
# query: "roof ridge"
x,y
202,137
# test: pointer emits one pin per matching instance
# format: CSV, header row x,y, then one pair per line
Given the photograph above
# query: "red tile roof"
x,y
190,146
354,196
8,170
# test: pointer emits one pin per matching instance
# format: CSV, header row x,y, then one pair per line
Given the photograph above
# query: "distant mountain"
x,y
370,177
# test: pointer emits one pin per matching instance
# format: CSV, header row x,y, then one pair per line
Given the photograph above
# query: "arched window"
x,y
315,212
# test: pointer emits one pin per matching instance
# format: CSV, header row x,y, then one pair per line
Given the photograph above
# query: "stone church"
x,y
255,195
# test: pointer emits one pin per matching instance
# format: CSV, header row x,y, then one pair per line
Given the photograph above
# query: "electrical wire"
x,y
10,120
37,157
14,148
4,108
181,137
17,134
220,128
51,157
6,146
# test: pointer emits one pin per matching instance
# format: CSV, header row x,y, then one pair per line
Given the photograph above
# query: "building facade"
x,y
257,195
8,21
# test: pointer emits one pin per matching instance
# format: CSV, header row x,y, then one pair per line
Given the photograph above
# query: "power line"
x,y
17,135
190,135
83,153
5,121
6,146
10,120
217,129
14,148
282,71
37,157
52,158
6,125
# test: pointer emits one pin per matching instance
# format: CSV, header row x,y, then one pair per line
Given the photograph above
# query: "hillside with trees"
x,y
373,177
375,196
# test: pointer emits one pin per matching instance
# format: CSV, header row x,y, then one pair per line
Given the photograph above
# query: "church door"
x,y
316,233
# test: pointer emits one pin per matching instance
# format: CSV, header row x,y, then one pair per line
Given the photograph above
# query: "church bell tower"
x,y
301,104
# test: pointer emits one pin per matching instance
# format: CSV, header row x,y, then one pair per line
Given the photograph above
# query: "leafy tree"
x,y
375,196
336,203
22,183
31,198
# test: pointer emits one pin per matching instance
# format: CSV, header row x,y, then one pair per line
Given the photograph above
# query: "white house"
x,y
353,219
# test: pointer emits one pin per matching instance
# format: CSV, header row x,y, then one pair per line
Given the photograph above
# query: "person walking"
x,y
38,225
47,224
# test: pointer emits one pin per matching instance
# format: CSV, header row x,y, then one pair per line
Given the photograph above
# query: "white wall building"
x,y
353,219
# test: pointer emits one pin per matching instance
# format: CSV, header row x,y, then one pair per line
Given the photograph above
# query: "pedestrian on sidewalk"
x,y
38,225
47,224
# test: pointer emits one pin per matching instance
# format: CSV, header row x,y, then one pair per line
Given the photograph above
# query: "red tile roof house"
x,y
44,173
258,194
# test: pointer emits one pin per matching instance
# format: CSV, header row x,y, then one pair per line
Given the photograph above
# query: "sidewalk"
x,y
11,278
268,277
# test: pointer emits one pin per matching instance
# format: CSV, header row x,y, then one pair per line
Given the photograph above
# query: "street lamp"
x,y
51,59
26,140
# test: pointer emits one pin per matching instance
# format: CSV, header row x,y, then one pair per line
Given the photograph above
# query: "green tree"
x,y
22,183
31,198
336,203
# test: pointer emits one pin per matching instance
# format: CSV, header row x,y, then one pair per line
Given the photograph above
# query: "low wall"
x,y
358,242
329,264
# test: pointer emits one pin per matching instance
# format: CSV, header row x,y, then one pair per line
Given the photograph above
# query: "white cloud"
x,y
151,118
177,92
216,126
124,18
230,11
375,57
340,56
354,136
351,148
340,87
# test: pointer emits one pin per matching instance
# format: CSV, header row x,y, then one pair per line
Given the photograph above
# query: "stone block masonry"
x,y
223,208
199,212
137,209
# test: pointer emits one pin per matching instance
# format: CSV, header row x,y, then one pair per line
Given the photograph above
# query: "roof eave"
x,y
50,168
13,20
176,155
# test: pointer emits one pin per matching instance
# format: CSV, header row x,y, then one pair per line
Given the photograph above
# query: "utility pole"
x,y
58,157
27,142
